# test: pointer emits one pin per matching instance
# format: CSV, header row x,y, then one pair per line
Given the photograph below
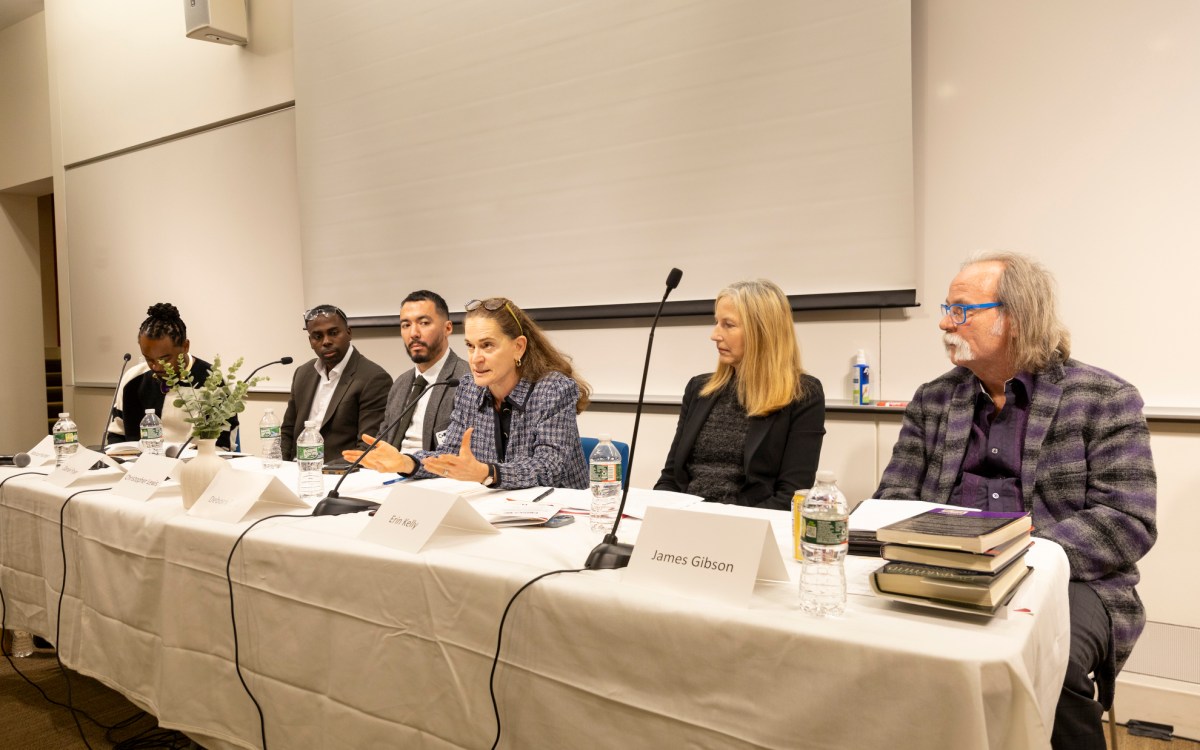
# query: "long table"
x,y
348,644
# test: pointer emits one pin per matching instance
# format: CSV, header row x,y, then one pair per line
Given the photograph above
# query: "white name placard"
x,y
704,555
42,453
233,493
76,467
412,514
149,473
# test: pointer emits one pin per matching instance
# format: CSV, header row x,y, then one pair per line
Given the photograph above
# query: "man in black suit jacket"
x,y
341,389
425,327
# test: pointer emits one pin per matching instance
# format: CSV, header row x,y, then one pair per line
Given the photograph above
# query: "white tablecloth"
x,y
347,644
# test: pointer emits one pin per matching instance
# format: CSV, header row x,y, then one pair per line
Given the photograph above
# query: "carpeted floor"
x,y
29,722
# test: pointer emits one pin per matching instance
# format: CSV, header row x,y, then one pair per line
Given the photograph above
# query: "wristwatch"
x,y
490,479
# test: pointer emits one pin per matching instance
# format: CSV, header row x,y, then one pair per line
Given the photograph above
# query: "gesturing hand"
x,y
384,457
463,466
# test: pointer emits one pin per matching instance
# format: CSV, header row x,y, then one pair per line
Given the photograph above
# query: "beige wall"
x,y
25,110
22,368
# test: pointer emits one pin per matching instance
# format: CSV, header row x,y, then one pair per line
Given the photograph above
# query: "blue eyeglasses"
x,y
958,313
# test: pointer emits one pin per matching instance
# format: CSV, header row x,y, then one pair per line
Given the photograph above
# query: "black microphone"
x,y
334,504
19,460
280,361
113,406
610,554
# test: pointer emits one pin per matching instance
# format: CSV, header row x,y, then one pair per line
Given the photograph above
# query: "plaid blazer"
x,y
1086,474
543,437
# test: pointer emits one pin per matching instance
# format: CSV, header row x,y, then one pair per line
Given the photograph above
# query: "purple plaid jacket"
x,y
1086,474
543,436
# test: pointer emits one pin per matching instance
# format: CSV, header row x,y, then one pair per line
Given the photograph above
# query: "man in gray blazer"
x,y
425,327
1019,425
341,390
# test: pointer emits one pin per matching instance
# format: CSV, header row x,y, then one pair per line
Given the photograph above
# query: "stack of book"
x,y
954,558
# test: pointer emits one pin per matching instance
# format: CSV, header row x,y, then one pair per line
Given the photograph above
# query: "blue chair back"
x,y
589,444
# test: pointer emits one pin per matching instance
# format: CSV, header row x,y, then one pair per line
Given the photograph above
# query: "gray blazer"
x,y
437,411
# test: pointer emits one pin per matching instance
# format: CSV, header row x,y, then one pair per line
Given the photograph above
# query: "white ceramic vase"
x,y
197,473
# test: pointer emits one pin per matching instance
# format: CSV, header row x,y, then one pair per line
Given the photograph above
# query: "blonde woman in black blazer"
x,y
751,432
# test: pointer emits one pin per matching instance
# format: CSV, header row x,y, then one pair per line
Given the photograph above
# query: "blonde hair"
x,y
541,357
1028,292
769,375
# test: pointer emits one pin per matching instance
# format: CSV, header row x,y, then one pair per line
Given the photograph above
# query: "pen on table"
x,y
393,481
544,494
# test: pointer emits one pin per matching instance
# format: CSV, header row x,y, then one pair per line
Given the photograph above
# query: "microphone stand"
x,y
112,407
611,554
334,504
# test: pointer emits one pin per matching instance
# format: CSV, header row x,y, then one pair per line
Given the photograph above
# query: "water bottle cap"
x,y
605,437
309,423
149,411
64,414
826,476
268,410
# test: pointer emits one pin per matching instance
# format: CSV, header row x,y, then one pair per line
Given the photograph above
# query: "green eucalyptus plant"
x,y
213,403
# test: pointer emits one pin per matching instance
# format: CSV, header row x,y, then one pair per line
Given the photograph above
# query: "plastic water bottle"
x,y
310,454
66,438
22,643
152,439
605,469
826,538
268,435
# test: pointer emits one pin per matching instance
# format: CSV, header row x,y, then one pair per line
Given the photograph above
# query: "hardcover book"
x,y
957,528
987,561
951,585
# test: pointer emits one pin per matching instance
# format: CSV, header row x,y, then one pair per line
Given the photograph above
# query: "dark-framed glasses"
x,y
958,313
492,304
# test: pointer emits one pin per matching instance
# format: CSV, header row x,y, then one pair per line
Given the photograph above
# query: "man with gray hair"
x,y
1018,425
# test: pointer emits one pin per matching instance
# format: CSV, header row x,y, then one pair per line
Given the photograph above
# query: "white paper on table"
x,y
635,506
871,515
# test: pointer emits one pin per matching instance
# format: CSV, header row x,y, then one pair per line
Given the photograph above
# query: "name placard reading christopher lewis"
x,y
704,555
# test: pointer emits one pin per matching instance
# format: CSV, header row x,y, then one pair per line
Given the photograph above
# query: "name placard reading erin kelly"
x,y
411,515
233,493
704,555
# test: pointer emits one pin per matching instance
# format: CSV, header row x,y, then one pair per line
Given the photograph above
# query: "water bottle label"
x,y
151,433
606,472
310,452
268,433
826,531
65,438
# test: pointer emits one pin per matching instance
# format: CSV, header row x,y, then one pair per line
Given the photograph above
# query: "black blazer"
x,y
781,453
356,406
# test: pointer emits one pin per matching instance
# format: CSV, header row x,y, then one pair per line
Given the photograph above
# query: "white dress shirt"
x,y
412,437
326,385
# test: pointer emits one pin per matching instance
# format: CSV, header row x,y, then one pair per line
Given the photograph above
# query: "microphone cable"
x,y
262,724
500,640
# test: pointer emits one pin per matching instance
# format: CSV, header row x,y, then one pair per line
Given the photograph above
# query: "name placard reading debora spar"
x,y
704,555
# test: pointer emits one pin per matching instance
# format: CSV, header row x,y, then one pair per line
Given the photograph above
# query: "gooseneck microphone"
x,y
280,361
19,460
334,504
610,553
113,406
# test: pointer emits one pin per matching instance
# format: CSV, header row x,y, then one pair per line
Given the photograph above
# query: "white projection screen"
x,y
570,153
